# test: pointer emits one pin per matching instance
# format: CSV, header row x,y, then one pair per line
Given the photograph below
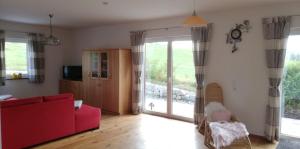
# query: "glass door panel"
x,y
183,90
156,77
290,120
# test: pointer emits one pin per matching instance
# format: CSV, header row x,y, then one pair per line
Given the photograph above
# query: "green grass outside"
x,y
15,56
183,65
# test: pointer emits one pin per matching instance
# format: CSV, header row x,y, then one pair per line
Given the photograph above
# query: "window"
x,y
16,58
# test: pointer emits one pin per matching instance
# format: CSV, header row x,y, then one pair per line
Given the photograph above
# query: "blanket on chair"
x,y
224,133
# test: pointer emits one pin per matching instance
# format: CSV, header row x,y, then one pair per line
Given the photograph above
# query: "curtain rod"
x,y
162,28
173,27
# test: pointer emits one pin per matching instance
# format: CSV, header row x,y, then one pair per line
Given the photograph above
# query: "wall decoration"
x,y
235,34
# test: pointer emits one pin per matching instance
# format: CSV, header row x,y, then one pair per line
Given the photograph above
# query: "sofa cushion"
x,y
28,125
21,101
87,118
58,97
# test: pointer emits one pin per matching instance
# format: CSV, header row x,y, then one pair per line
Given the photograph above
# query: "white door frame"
x,y
169,113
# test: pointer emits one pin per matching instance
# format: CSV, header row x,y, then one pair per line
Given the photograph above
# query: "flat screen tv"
x,y
72,73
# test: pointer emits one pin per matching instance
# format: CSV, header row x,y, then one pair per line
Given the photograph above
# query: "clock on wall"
x,y
235,34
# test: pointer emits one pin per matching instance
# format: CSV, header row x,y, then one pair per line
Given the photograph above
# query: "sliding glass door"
x,y
290,120
169,78
156,77
183,74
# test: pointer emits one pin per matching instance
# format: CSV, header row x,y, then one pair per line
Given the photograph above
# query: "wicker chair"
x,y
213,93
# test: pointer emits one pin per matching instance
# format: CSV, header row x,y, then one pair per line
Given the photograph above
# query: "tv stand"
x,y
71,86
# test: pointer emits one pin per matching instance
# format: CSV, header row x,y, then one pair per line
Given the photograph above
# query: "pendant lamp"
x,y
194,20
51,39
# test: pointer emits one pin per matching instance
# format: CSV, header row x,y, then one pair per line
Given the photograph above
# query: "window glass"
x,y
16,58
291,89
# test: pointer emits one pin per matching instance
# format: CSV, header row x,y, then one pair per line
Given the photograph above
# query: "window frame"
x,y
169,40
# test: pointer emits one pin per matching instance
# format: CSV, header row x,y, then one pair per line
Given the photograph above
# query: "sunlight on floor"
x,y
290,127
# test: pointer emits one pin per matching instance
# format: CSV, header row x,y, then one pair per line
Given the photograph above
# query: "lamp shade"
x,y
195,21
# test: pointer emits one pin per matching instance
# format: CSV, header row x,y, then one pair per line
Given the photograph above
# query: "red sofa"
x,y
31,121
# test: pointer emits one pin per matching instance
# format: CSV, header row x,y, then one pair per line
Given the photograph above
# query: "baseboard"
x,y
259,137
108,112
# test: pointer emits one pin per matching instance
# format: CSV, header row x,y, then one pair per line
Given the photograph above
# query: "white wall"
x,y
242,75
53,63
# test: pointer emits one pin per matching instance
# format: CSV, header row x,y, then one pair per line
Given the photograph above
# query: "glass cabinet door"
x,y
99,64
94,64
104,65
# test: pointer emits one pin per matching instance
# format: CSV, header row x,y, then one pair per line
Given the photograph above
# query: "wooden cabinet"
x,y
107,79
69,86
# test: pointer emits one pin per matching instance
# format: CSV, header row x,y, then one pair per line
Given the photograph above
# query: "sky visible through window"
x,y
293,46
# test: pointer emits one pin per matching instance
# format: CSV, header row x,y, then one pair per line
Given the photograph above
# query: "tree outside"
x,y
291,80
291,88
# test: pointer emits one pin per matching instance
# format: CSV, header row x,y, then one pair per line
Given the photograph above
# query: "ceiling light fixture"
x,y
51,39
195,20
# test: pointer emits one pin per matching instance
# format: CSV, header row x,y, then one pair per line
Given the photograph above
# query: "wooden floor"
x,y
140,132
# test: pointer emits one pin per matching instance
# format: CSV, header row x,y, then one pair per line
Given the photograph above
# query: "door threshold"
x,y
290,136
179,118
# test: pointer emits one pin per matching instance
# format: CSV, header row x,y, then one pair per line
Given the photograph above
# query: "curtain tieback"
x,y
199,87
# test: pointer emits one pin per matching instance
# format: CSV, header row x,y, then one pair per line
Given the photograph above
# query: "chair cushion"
x,y
58,97
223,134
219,116
87,118
213,107
21,101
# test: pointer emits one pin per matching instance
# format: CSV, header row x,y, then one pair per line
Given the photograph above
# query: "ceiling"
x,y
82,13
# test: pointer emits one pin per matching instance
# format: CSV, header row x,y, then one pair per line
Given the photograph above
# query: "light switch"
x,y
234,85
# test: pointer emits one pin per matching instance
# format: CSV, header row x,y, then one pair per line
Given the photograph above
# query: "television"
x,y
72,73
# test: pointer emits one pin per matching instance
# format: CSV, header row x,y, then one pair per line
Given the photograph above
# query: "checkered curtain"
x,y
36,59
137,43
2,58
201,37
276,31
